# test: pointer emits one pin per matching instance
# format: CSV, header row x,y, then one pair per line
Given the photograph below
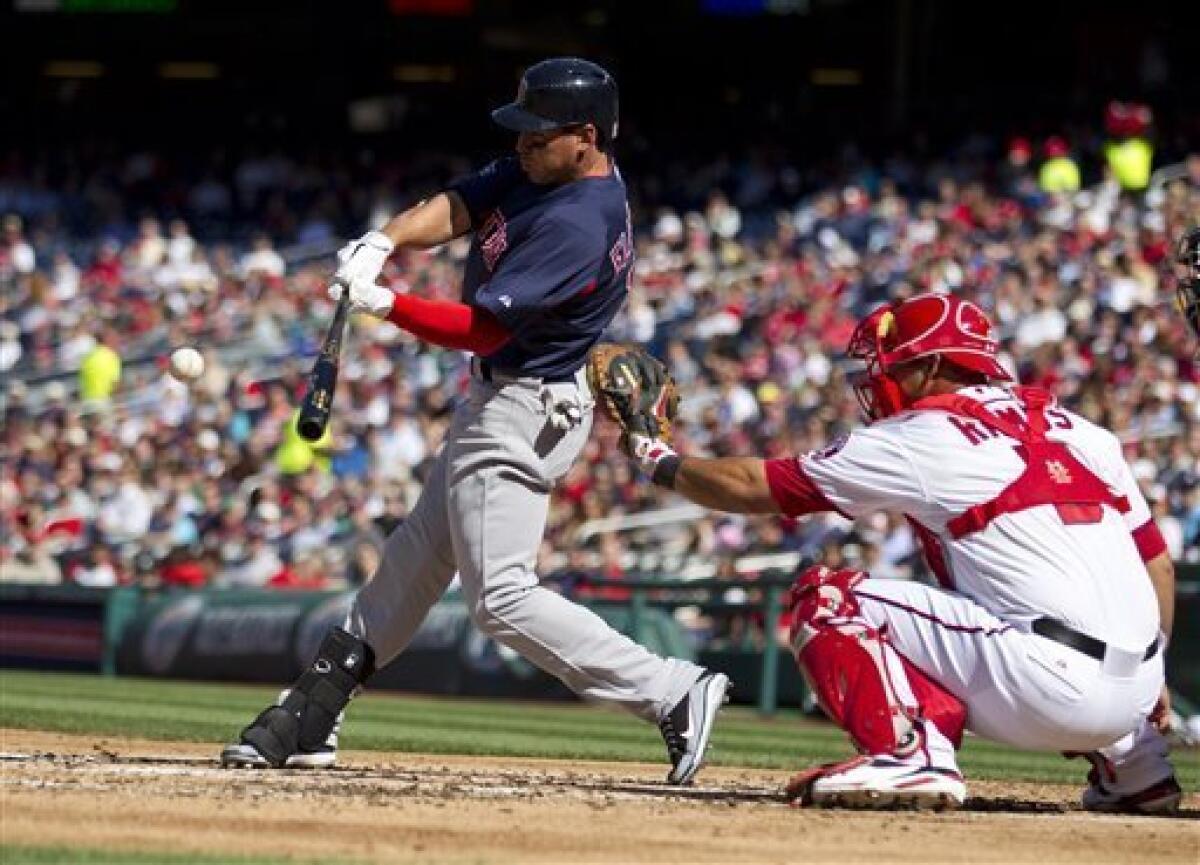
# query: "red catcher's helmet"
x,y
929,324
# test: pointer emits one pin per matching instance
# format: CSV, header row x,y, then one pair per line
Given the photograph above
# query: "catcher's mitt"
x,y
1188,256
635,389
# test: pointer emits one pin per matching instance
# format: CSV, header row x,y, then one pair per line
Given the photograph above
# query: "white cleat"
x,y
244,755
878,782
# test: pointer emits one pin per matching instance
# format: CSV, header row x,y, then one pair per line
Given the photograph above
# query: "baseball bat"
x,y
322,381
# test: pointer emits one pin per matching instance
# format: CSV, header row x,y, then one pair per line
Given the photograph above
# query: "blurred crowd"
x,y
748,286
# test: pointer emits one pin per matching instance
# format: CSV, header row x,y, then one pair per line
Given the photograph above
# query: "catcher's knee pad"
x,y
820,592
861,682
309,713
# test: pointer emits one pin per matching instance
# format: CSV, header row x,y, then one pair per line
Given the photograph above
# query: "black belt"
x,y
1052,629
493,375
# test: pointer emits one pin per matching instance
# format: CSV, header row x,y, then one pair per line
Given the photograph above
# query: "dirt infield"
x,y
101,792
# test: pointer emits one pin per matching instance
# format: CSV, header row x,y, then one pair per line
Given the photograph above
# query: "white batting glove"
x,y
365,297
565,414
362,260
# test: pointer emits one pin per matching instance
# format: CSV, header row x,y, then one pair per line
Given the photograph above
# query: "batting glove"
x,y
366,297
564,414
362,260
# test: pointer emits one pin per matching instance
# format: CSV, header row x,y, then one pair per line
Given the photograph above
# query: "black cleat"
x,y
245,753
1160,798
686,728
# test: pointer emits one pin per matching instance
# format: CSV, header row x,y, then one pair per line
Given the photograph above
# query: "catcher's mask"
x,y
927,325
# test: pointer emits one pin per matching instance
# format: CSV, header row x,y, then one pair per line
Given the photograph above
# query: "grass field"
x,y
202,712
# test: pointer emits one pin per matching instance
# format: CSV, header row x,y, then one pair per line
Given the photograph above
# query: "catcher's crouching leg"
x,y
306,717
905,724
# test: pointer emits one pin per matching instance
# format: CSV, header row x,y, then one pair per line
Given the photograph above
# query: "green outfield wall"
x,y
268,636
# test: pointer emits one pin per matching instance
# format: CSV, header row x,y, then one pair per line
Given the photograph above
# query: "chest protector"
x,y
1052,475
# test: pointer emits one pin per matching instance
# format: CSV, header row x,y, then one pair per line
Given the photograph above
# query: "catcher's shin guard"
x,y
310,711
860,680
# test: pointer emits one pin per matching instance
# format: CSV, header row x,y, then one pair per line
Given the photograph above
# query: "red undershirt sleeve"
x,y
449,324
792,489
1149,540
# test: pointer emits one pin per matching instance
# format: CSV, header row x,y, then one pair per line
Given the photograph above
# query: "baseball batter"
x,y
546,273
1056,592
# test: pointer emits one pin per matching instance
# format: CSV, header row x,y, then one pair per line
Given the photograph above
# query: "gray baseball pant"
x,y
483,512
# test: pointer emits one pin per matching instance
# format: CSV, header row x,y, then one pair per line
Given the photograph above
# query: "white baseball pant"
x,y
1023,689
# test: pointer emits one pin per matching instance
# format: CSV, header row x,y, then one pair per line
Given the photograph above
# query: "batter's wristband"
x,y
665,471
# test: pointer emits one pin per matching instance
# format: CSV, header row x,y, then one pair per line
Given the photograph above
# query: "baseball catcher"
x,y
1056,591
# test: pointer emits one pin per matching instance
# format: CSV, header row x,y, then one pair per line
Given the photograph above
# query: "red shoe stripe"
x,y
800,786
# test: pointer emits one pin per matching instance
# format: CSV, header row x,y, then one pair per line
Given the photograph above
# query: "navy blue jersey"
x,y
550,262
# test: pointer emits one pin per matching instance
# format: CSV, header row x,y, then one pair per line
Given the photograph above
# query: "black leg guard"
x,y
309,713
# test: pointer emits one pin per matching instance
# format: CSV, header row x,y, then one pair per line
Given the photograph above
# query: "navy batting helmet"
x,y
562,91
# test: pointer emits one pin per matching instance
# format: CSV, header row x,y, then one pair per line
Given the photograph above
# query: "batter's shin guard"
x,y
307,716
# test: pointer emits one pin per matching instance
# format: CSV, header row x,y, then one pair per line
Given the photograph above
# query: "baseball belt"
x,y
1052,629
487,371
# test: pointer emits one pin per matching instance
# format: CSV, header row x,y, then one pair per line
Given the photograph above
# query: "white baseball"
x,y
186,364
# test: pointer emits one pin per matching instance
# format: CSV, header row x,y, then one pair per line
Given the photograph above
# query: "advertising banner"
x,y
52,627
270,636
